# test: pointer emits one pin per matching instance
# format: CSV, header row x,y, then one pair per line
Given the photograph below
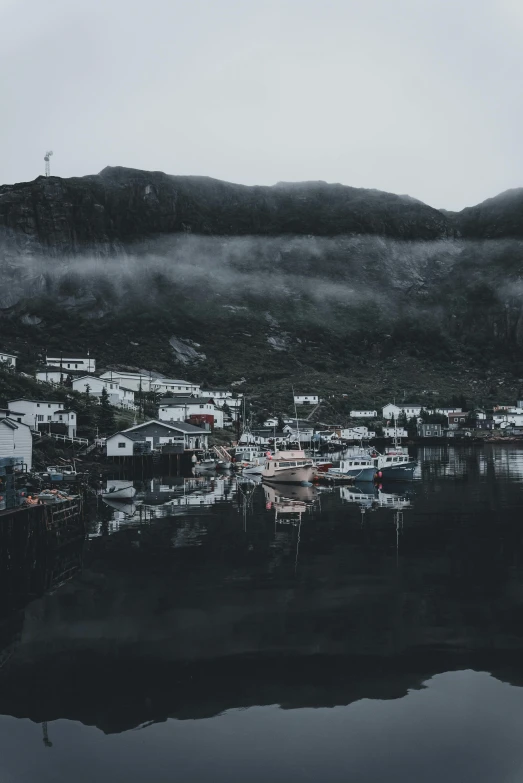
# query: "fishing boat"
x,y
395,465
288,467
359,467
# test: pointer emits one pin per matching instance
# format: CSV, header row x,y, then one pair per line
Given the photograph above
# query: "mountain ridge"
x,y
303,280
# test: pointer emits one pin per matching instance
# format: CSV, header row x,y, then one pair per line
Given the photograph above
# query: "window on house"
x,y
39,418
60,417
76,366
49,418
48,406
37,404
68,365
121,445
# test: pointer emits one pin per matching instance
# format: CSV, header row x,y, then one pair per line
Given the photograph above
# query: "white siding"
x,y
409,410
16,442
363,414
84,363
114,449
306,399
50,376
31,410
391,432
181,412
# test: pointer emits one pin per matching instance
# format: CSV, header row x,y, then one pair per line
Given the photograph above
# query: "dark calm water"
x,y
212,630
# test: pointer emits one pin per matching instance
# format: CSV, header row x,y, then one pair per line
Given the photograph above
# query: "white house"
x,y
181,408
300,429
147,382
95,386
35,413
394,432
126,398
16,441
120,445
516,419
68,361
357,433
224,397
175,387
446,411
363,414
7,359
306,399
51,376
410,410
157,434
118,395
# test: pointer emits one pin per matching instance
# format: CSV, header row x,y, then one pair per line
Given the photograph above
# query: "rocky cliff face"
x,y
120,205
308,277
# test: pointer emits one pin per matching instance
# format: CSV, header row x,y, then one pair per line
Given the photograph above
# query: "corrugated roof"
x,y
181,426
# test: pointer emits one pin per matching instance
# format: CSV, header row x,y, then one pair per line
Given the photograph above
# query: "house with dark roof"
x,y
155,434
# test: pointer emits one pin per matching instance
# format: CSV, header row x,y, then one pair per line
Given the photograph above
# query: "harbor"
x,y
160,611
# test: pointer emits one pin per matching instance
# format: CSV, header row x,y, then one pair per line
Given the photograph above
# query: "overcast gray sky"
x,y
411,96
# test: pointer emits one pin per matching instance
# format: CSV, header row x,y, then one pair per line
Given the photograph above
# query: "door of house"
x,y
151,441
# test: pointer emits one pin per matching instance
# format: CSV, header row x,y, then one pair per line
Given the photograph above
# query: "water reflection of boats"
x,y
126,507
289,503
371,497
363,496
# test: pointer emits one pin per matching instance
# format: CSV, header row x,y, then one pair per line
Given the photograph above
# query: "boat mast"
x,y
296,416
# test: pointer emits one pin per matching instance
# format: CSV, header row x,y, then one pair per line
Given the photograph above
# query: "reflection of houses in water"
x,y
166,498
462,461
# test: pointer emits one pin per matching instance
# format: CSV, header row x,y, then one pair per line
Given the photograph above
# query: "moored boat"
x,y
119,492
288,467
360,467
395,465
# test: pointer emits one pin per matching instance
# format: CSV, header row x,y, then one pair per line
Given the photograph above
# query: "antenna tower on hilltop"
x,y
47,163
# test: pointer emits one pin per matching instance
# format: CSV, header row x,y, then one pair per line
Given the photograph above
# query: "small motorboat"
x,y
119,492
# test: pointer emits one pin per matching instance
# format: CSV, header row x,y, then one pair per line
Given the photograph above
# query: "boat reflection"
x,y
164,497
289,502
371,497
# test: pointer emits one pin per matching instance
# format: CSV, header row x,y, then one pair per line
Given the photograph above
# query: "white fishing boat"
x,y
250,460
288,467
